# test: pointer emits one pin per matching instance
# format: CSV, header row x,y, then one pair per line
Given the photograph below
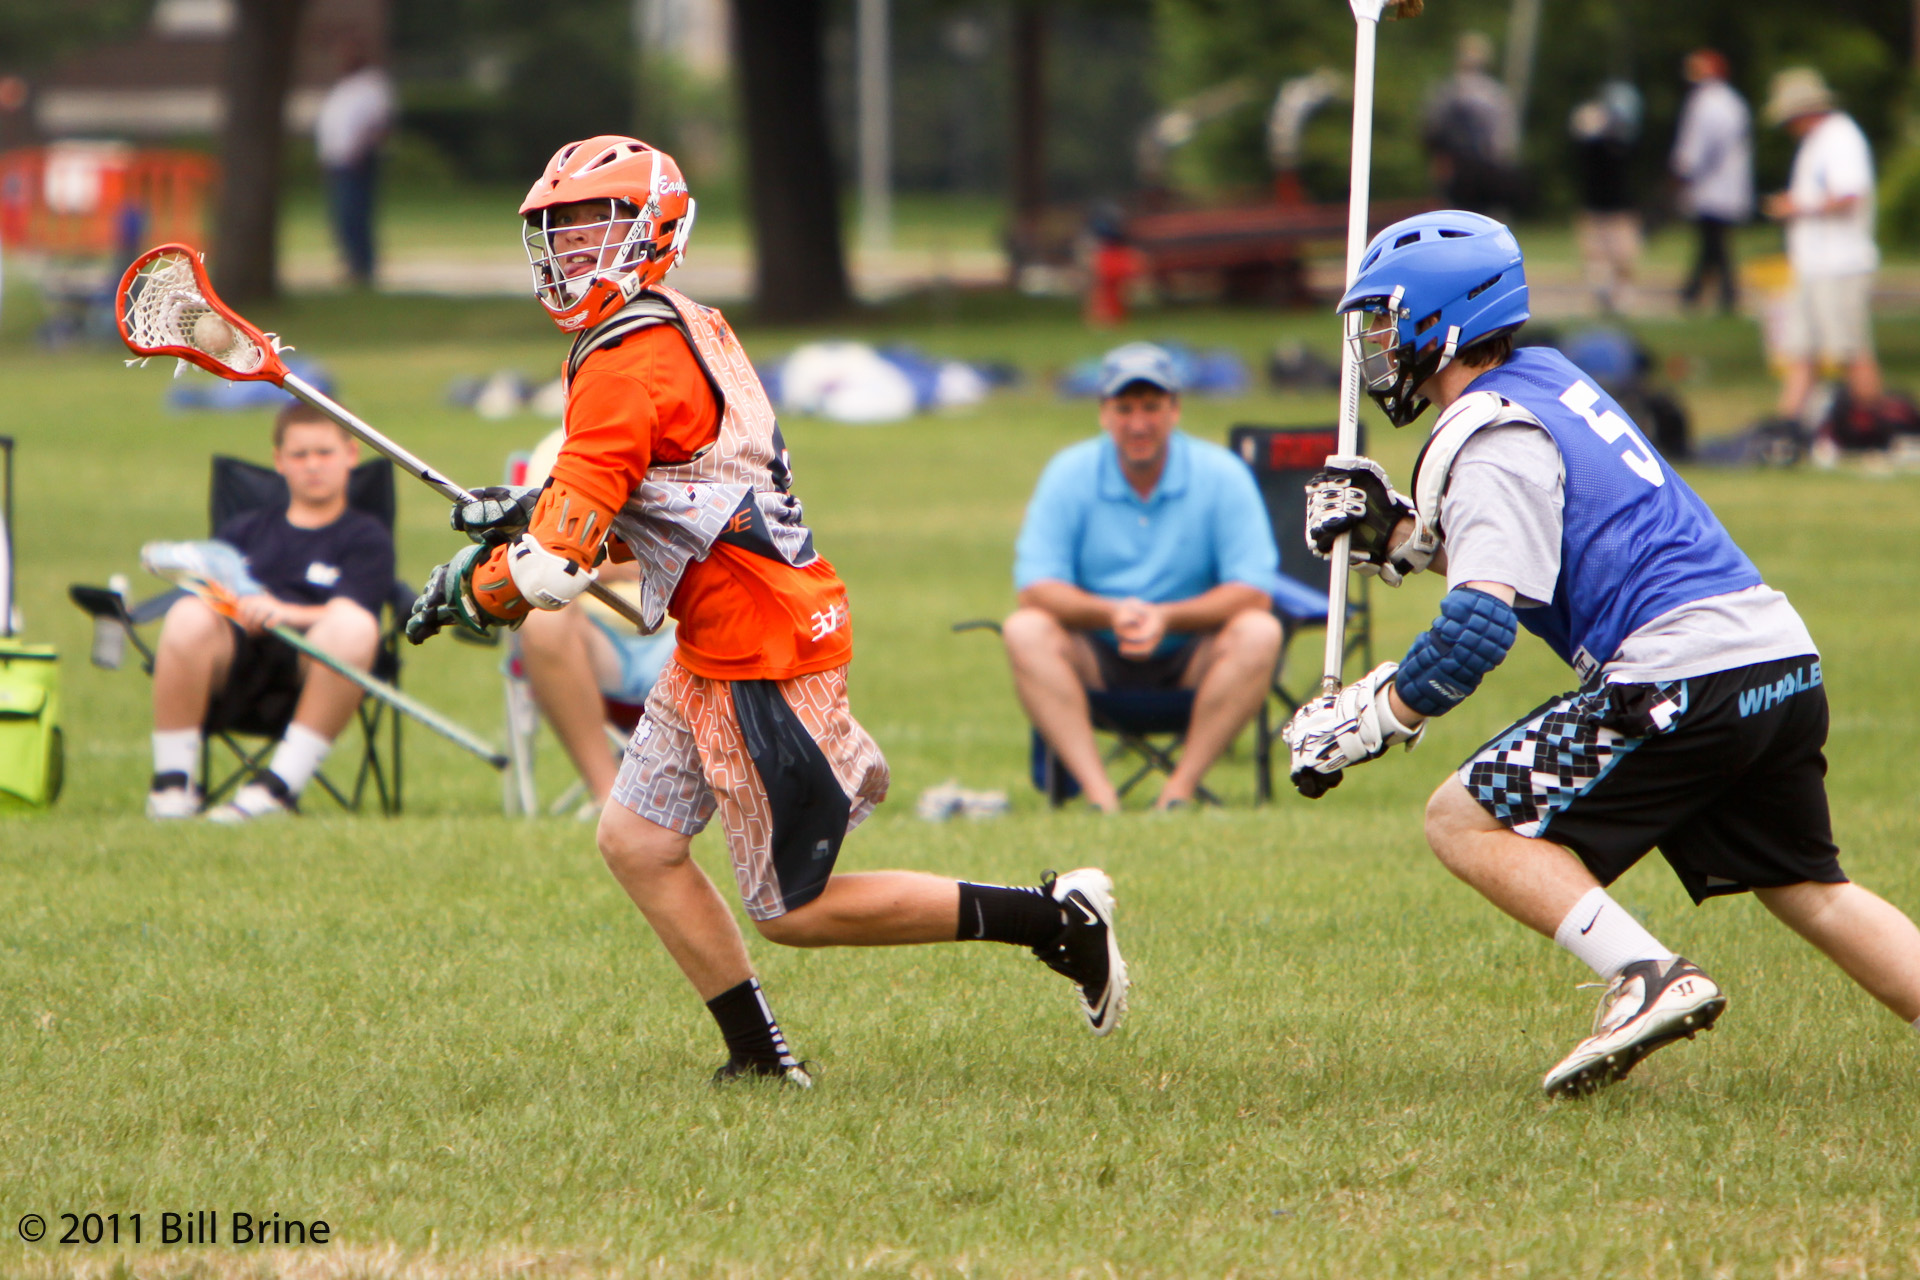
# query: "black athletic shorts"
x,y
1723,773
262,687
1160,671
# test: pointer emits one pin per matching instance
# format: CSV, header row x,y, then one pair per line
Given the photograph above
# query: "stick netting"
x,y
166,308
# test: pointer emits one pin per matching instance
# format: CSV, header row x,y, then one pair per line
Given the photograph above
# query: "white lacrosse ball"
x,y
213,335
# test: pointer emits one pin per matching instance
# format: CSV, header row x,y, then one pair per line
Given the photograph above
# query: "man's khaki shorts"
x,y
1828,317
785,764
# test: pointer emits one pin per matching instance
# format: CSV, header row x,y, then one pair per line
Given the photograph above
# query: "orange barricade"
x,y
76,198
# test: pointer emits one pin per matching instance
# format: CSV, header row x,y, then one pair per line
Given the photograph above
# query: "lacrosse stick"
x,y
1366,17
186,565
167,307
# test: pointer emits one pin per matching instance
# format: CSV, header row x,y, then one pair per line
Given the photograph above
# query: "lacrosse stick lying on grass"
x,y
166,307
218,574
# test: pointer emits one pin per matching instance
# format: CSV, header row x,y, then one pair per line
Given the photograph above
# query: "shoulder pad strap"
x,y
1468,414
643,312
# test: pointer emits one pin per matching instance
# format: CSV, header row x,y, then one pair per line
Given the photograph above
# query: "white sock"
x,y
177,751
1600,932
298,756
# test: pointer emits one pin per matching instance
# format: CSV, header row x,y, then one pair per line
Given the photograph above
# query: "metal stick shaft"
x,y
326,404
453,732
1367,29
440,484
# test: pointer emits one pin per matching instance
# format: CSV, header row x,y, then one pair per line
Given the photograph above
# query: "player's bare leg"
x,y
1653,997
872,909
1873,941
327,700
1052,671
656,868
1796,384
1230,675
1863,379
555,652
191,661
1535,881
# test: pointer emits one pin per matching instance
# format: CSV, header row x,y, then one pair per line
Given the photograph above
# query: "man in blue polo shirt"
x,y
1145,563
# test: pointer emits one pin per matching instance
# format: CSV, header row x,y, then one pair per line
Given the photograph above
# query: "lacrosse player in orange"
x,y
673,458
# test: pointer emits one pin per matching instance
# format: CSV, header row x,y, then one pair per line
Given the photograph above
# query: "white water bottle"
x,y
110,634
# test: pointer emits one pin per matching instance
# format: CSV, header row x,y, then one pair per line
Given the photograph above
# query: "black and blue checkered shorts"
x,y
1725,774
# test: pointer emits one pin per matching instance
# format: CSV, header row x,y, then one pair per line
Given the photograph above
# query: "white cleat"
x,y
253,802
1650,1003
172,798
1087,950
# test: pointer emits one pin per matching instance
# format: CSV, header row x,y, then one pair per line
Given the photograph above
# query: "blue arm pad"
x,y
1450,658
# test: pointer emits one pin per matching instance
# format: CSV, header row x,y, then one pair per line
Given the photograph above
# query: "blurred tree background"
x,y
491,87
1860,45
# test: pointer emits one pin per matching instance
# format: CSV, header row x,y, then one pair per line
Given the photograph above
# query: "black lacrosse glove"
x,y
1352,496
498,513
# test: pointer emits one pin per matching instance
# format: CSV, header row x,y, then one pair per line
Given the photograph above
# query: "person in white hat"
x,y
1828,211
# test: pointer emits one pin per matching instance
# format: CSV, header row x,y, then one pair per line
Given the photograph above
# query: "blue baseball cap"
x,y
1137,362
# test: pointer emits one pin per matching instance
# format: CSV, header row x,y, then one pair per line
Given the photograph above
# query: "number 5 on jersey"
x,y
1610,426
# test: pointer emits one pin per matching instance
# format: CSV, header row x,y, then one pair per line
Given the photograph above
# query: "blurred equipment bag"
x,y
31,750
30,746
1858,427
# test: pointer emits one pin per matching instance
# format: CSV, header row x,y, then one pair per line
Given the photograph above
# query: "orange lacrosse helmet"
x,y
587,266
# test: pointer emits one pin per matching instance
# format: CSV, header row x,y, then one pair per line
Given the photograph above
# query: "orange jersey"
x,y
742,616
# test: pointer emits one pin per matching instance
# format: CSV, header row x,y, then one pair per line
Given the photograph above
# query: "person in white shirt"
x,y
1828,211
1713,161
353,121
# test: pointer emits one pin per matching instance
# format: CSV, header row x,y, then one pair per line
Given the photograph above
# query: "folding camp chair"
x,y
1282,460
1148,726
238,486
519,795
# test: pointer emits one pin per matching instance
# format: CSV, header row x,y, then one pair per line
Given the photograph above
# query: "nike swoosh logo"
x,y
980,922
1595,920
1088,912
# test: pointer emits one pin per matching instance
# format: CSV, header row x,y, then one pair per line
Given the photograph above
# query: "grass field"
x,y
450,1037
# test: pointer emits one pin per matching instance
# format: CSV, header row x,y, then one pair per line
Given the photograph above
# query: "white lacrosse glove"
x,y
1328,734
1352,495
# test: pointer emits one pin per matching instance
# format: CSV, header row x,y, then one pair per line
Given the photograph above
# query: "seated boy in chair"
x,y
326,569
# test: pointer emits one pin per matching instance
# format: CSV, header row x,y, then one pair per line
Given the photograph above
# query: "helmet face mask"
x,y
1392,366
571,247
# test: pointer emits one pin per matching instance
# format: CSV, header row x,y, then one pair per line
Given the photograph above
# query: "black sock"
x,y
747,1023
998,913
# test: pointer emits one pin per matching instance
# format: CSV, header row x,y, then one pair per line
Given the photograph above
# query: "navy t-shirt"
x,y
352,557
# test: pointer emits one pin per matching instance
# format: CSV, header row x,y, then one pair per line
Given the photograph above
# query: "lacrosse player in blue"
x,y
1699,725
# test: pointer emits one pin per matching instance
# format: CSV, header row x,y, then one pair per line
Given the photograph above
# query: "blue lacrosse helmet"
x,y
1428,286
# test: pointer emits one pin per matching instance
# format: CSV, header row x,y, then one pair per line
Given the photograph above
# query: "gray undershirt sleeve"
x,y
1500,518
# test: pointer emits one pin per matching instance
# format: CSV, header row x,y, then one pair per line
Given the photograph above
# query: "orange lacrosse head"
x,y
166,307
585,271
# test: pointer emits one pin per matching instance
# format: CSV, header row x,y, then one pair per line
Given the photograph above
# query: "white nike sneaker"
x,y
266,798
1648,1004
172,798
1086,950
